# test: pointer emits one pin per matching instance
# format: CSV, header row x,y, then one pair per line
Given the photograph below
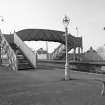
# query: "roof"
x,y
48,35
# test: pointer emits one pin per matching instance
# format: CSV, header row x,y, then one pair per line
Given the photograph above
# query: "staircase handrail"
x,y
25,49
59,49
10,53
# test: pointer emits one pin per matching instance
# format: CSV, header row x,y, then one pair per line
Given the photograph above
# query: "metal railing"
x,y
11,55
57,51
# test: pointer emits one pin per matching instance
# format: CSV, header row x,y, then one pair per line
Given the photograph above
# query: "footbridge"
x,y
20,56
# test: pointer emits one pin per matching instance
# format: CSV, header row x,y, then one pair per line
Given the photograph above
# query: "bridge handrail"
x,y
10,53
25,49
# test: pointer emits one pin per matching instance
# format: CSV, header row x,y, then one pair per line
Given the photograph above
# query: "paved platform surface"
x,y
47,87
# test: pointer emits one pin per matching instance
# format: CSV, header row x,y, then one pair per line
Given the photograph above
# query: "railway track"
x,y
77,66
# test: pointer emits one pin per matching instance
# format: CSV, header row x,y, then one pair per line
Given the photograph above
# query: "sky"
x,y
87,15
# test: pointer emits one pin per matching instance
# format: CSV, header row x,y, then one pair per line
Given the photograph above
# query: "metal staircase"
x,y
22,62
9,53
60,52
19,56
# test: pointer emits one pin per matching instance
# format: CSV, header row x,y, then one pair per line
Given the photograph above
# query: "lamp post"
x,y
1,19
66,21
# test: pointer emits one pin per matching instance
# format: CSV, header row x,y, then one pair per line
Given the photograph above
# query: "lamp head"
x,y
66,21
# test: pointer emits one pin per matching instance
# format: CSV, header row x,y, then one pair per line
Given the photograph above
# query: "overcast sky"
x,y
87,15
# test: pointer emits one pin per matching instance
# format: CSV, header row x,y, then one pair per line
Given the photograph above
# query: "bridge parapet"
x,y
25,49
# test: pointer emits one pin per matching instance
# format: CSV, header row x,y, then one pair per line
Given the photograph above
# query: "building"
x,y
41,53
91,55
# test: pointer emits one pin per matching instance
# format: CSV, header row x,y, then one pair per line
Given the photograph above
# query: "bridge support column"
x,y
78,50
36,59
74,58
81,50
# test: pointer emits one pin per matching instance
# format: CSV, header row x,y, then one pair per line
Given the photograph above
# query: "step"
x,y
24,67
23,61
21,57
